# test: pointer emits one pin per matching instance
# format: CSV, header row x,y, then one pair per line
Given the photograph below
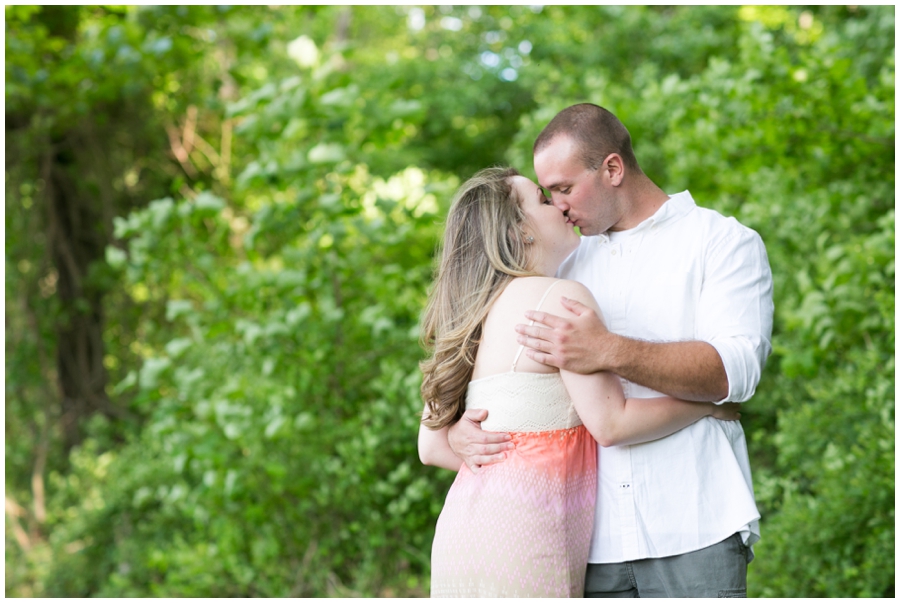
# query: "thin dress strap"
x,y
540,303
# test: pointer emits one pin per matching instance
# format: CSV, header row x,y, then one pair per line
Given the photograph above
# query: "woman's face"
x,y
554,236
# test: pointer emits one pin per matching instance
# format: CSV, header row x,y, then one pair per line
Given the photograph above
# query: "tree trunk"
x,y
77,238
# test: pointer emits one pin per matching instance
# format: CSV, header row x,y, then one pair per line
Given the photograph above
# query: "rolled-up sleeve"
x,y
734,313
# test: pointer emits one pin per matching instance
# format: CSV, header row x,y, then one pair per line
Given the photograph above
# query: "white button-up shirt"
x,y
686,273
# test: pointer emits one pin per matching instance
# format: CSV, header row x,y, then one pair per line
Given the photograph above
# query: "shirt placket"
x,y
622,261
617,282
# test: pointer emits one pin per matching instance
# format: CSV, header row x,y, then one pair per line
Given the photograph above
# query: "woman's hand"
x,y
727,411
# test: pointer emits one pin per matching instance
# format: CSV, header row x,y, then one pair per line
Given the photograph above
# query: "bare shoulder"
x,y
521,295
531,284
498,346
525,294
571,290
525,291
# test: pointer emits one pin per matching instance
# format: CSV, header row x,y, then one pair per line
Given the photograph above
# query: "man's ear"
x,y
614,168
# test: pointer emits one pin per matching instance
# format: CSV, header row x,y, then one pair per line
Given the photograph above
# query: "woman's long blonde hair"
x,y
484,248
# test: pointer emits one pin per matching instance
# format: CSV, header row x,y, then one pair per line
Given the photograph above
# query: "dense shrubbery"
x,y
259,317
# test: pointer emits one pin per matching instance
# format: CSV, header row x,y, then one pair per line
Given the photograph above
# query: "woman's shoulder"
x,y
525,284
533,288
543,283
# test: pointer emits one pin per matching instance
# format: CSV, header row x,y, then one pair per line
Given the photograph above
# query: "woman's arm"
x,y
434,449
615,421
601,404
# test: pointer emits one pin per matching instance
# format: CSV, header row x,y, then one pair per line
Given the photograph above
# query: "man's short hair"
x,y
596,132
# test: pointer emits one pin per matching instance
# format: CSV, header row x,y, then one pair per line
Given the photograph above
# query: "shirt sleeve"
x,y
735,311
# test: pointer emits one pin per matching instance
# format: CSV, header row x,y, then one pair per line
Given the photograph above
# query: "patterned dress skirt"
x,y
521,527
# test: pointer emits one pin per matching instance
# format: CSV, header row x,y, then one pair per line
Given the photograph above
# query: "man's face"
x,y
585,196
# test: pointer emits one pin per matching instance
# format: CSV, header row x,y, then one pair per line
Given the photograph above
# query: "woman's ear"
x,y
522,231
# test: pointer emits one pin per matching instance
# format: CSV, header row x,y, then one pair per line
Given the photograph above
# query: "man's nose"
x,y
560,204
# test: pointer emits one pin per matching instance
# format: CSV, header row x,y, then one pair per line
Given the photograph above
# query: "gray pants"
x,y
719,570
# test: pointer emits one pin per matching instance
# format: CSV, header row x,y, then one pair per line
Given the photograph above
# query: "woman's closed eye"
x,y
544,195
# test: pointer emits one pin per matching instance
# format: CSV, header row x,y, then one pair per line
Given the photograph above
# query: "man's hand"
x,y
727,411
475,446
580,344
689,370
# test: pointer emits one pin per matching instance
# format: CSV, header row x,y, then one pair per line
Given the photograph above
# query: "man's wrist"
x,y
611,352
450,431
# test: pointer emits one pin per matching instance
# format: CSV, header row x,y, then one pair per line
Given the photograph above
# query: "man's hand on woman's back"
x,y
475,446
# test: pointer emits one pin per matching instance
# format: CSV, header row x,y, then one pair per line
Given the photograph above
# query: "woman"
x,y
521,527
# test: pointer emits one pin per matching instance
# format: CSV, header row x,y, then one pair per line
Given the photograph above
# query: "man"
x,y
686,296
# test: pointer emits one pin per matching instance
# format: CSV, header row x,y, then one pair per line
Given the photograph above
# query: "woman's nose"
x,y
560,205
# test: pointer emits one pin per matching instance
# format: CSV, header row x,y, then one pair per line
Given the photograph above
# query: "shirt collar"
x,y
676,206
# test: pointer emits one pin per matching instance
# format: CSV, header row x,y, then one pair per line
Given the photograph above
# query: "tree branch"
x,y
180,153
13,511
208,151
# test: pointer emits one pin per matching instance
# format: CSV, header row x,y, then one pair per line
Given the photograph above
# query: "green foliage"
x,y
261,314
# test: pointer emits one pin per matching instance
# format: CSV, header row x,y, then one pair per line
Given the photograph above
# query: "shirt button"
x,y
614,252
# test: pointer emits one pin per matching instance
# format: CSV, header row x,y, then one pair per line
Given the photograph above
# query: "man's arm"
x,y
689,370
733,333
434,450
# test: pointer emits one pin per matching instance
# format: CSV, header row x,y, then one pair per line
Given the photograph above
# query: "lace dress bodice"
x,y
523,402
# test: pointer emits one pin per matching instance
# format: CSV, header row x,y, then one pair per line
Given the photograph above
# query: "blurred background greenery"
x,y
220,225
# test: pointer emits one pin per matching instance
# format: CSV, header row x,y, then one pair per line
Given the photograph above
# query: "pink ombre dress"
x,y
521,527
